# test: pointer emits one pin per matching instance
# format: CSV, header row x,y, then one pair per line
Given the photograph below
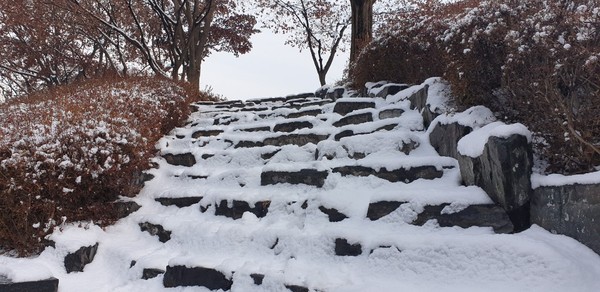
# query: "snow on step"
x,y
248,197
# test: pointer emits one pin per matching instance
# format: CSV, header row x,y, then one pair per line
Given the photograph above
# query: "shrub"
x,y
532,61
68,152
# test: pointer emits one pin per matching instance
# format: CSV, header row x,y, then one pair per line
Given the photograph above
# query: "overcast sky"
x,y
270,69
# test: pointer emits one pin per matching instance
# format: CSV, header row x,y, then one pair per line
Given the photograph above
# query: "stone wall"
x,y
572,210
504,172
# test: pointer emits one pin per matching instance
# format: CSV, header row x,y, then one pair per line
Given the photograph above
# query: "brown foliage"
x,y
66,153
533,61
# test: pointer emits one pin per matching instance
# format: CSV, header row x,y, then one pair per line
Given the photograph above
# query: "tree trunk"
x,y
322,75
362,26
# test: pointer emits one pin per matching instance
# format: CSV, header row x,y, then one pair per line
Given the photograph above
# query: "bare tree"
x,y
42,46
318,26
174,36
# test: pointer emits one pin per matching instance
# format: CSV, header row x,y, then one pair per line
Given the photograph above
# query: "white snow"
x,y
539,180
473,144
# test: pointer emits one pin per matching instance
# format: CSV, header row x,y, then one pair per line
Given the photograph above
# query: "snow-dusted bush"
x,y
534,61
65,153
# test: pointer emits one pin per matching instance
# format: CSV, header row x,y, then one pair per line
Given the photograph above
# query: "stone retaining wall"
x,y
504,172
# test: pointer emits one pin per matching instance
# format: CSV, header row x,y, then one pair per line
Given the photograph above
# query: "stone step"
x,y
179,202
348,105
206,133
185,159
46,285
354,119
295,139
236,209
474,215
292,126
182,276
304,113
311,177
405,175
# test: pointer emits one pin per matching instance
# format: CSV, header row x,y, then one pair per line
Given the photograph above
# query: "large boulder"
x,y
572,210
504,172
444,138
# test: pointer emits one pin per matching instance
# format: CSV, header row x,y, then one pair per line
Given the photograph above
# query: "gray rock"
x,y
354,119
572,210
178,276
394,175
418,100
474,215
391,89
151,273
322,92
388,127
300,105
390,113
333,214
428,115
377,210
47,285
269,155
179,202
346,107
186,159
343,134
298,114
335,93
504,172
296,288
444,138
300,96
249,144
238,208
292,126
295,139
311,177
344,248
156,230
206,133
256,129
257,278
125,208
254,109
409,147
75,262
268,100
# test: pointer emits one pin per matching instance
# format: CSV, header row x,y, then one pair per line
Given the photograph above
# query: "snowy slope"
x,y
290,236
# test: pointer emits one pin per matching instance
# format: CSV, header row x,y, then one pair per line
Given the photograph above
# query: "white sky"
x,y
270,69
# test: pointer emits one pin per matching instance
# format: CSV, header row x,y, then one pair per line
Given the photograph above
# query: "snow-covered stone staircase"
x,y
311,194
